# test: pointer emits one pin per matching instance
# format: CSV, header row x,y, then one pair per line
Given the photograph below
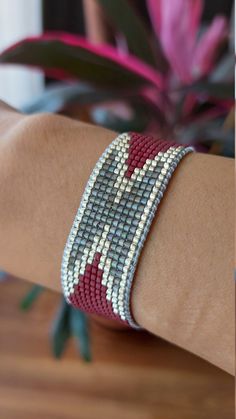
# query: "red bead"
x,y
142,148
90,295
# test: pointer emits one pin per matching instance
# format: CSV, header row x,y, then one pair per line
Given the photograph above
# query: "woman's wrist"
x,y
178,290
184,277
47,161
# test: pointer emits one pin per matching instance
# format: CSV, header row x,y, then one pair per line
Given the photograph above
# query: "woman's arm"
x,y
183,289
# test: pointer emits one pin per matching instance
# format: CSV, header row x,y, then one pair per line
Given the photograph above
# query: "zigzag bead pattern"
x,y
112,222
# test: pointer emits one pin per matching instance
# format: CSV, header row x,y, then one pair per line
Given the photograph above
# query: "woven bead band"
x,y
112,222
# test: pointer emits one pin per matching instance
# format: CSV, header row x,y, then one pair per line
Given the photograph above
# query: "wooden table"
x,y
133,375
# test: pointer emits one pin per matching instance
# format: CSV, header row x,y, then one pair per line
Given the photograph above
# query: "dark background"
x,y
68,15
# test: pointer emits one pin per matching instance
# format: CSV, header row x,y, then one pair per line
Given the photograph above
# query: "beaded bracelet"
x,y
112,222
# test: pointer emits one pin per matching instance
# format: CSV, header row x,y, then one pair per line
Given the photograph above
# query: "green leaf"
x,y
206,133
224,71
127,21
30,297
60,329
79,329
96,65
58,97
219,90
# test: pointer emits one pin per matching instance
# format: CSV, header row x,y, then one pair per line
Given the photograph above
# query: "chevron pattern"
x,y
109,230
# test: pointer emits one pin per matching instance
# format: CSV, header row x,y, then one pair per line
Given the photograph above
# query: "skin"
x,y
183,287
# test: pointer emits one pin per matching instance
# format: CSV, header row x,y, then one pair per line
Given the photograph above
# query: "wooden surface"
x,y
133,375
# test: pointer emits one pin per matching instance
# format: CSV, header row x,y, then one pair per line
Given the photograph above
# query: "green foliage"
x,y
70,322
127,22
30,297
75,61
67,322
79,329
60,329
224,70
217,90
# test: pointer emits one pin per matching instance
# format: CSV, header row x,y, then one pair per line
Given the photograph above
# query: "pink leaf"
x,y
207,48
189,104
176,24
155,13
195,16
154,8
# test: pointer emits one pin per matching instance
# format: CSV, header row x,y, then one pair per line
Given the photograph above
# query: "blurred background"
x,y
166,67
182,89
21,18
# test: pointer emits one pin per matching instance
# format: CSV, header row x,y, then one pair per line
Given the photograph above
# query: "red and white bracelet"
x,y
112,222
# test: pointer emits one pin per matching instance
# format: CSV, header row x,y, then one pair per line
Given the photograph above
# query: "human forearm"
x,y
47,163
183,288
